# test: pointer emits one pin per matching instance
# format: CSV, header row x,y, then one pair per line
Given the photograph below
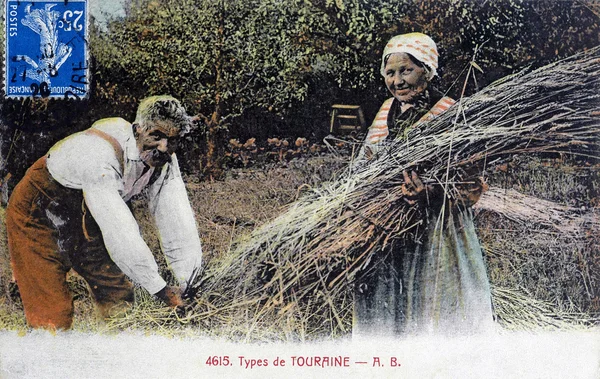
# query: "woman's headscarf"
x,y
418,45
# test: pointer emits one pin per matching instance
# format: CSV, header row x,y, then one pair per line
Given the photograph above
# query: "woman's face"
x,y
404,78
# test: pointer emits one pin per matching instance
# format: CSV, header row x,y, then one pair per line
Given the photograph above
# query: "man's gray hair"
x,y
163,108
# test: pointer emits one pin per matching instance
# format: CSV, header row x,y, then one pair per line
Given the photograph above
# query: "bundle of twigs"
x,y
304,259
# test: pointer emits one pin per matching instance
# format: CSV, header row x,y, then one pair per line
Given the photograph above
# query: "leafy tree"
x,y
219,56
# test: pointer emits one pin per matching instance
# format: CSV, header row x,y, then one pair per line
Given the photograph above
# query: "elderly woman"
x,y
433,280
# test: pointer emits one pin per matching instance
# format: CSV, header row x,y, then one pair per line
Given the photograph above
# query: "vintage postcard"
x,y
283,188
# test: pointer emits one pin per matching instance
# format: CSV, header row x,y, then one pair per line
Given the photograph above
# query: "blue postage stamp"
x,y
46,52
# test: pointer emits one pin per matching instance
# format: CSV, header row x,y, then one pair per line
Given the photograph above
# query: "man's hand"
x,y
171,296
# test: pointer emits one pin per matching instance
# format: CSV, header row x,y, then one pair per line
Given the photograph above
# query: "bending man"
x,y
70,211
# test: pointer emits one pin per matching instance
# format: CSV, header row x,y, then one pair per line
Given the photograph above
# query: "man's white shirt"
x,y
88,162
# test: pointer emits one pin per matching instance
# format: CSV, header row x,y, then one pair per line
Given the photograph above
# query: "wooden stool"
x,y
346,119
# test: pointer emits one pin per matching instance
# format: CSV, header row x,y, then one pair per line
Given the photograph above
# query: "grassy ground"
x,y
560,270
548,264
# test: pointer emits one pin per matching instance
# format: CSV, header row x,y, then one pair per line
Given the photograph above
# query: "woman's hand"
x,y
469,193
413,188
465,194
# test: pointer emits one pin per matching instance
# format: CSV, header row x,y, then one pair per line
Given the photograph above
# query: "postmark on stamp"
x,y
46,52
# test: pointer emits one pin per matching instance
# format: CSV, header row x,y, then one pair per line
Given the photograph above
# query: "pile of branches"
x,y
301,265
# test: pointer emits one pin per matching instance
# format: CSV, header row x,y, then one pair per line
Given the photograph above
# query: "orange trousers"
x,y
50,231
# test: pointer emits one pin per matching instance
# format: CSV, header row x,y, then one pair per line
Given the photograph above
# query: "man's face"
x,y
404,78
156,143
